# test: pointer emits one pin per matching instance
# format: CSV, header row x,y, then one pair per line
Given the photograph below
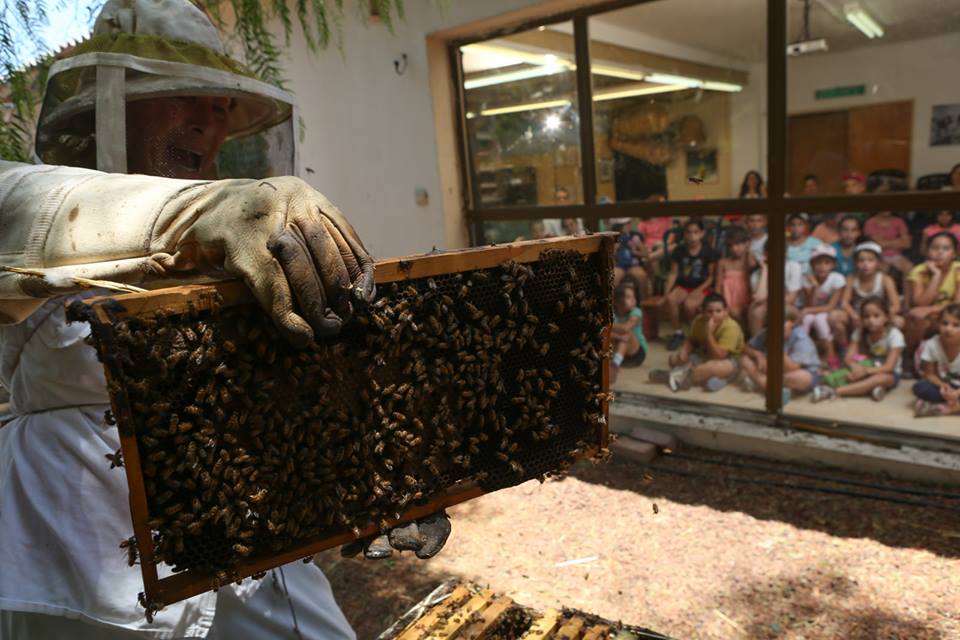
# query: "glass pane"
x,y
679,89
499,232
867,106
873,304
686,271
523,127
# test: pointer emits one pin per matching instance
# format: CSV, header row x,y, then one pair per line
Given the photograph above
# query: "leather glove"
x,y
288,243
425,537
285,239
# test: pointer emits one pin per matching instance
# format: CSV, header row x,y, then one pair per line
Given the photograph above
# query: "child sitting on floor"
x,y
692,272
801,364
626,334
931,286
709,354
868,281
944,223
733,273
874,360
823,290
850,233
938,391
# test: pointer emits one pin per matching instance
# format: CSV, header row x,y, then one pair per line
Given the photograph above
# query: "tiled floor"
x,y
895,412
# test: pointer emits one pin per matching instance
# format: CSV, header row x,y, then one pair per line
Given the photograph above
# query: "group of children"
x,y
859,315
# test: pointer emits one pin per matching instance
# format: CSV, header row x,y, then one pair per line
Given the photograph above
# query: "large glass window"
x,y
679,95
689,123
868,108
523,128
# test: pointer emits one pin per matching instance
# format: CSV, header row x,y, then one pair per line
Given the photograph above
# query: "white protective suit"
x,y
63,511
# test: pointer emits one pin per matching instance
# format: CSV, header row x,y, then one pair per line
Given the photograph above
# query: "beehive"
x,y
464,611
470,372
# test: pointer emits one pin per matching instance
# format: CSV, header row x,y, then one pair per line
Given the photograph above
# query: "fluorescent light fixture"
x,y
722,86
528,106
513,76
611,71
519,54
601,95
862,20
665,78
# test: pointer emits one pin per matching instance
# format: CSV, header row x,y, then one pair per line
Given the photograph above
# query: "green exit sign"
x,y
840,92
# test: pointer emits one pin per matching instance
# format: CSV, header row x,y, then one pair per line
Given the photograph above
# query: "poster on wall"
x,y
945,125
702,165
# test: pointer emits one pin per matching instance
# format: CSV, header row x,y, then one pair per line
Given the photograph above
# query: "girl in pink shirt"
x,y
944,222
891,233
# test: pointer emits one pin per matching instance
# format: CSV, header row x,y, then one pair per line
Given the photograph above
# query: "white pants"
x,y
265,614
819,321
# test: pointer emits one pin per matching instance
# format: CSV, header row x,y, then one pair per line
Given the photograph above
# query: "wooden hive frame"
x,y
103,312
464,611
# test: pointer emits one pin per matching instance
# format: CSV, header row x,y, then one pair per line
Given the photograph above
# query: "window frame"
x,y
776,206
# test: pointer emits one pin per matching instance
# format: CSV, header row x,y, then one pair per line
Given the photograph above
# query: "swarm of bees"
x,y
249,446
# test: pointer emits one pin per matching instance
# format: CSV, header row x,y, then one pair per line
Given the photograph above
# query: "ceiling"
x,y
736,29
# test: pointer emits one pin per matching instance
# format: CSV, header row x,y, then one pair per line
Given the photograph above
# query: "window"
x,y
522,122
801,117
868,108
678,93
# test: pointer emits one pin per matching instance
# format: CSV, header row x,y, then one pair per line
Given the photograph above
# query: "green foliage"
x,y
319,20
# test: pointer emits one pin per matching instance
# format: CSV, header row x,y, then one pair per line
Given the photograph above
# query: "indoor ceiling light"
x,y
513,76
862,20
665,78
617,72
528,106
722,86
620,92
552,122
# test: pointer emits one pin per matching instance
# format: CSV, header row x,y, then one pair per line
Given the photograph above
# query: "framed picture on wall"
x,y
945,125
702,165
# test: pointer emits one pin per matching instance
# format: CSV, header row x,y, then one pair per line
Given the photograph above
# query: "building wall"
x,y
369,133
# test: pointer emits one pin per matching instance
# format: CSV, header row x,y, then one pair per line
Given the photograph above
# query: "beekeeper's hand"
x,y
286,241
425,537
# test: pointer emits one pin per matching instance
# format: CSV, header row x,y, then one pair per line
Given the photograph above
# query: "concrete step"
x,y
633,450
662,439
702,426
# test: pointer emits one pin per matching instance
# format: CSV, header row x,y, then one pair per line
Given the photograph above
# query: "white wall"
x,y
370,137
920,70
748,128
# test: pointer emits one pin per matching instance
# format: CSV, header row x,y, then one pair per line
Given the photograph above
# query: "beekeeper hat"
x,y
162,48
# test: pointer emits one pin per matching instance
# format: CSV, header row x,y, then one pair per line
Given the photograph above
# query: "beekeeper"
x,y
151,93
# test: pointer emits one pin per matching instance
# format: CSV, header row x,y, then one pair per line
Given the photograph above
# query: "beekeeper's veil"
x,y
154,81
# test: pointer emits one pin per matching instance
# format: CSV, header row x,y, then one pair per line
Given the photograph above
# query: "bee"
x,y
130,547
115,458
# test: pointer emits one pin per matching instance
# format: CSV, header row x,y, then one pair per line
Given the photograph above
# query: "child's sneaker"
x,y
822,392
659,376
715,384
676,341
925,409
878,393
748,385
681,378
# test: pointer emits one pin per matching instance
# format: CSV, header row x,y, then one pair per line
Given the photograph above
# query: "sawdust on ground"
x,y
716,557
